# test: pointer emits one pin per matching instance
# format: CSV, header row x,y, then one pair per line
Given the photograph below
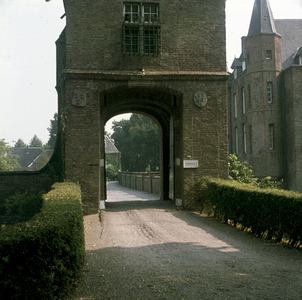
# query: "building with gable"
x,y
265,98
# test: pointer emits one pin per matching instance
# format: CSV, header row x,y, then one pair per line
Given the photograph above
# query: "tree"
x,y
35,142
7,162
138,141
20,143
53,131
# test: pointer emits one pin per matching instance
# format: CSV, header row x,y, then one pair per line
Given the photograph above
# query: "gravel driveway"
x,y
152,250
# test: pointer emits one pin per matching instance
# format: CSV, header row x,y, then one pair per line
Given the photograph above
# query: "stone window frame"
x,y
249,96
271,143
236,141
244,138
141,28
243,100
250,138
269,92
268,54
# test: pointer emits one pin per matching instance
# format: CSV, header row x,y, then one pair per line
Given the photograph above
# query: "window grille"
x,y
131,39
141,29
151,39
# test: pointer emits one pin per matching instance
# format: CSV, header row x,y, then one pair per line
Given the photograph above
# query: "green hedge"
x,y
20,207
41,258
270,213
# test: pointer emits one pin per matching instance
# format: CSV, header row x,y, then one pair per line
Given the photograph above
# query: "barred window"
x,y
151,39
141,29
131,34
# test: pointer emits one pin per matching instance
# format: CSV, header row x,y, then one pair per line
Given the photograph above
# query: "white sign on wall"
x,y
190,164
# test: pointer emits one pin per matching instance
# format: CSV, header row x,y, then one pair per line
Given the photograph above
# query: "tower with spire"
x,y
258,120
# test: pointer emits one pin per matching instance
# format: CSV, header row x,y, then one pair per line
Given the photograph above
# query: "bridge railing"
x,y
141,181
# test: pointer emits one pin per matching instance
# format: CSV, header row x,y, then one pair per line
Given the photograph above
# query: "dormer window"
x,y
235,73
268,54
141,29
300,60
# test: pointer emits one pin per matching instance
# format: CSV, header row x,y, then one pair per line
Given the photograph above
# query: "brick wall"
x,y
293,129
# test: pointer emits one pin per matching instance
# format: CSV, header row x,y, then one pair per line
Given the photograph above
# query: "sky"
x,y
28,31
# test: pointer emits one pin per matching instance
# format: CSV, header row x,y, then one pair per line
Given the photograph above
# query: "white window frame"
x,y
142,30
152,16
131,12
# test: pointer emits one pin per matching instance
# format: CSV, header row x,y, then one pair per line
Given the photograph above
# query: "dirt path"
x,y
151,250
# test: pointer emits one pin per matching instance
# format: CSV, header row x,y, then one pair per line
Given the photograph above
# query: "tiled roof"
x,y
26,155
262,20
236,63
109,146
291,32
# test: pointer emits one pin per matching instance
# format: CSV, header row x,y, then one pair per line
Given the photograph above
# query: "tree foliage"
x,y
113,166
53,130
36,142
20,143
7,162
138,141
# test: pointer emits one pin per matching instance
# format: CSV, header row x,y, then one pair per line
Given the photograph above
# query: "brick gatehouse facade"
x,y
165,59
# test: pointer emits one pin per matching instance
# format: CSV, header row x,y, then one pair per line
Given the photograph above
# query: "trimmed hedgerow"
x,y
41,258
270,213
20,207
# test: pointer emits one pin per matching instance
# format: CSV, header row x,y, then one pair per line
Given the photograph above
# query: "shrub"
x,y
270,213
242,172
21,207
41,258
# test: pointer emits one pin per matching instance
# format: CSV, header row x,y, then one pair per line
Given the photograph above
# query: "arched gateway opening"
x,y
164,108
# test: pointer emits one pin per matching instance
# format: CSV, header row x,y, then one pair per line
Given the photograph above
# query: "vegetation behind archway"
x,y
138,141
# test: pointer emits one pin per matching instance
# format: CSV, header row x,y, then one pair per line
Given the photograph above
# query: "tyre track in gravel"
x,y
152,250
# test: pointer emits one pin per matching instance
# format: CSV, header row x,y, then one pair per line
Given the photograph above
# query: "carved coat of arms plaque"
x,y
79,98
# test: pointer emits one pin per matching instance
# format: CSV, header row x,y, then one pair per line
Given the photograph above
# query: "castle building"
x,y
265,98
